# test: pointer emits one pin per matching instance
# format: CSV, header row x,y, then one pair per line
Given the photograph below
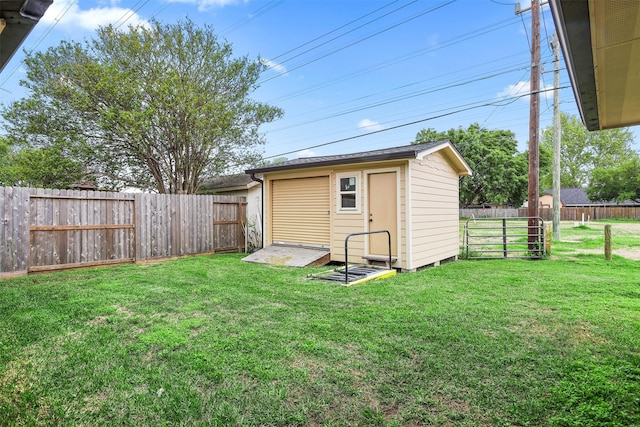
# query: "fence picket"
x,y
54,229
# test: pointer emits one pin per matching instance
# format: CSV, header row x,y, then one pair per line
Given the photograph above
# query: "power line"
x,y
433,9
471,107
525,31
482,100
40,40
130,12
404,97
448,43
498,107
258,12
445,85
344,34
337,29
407,118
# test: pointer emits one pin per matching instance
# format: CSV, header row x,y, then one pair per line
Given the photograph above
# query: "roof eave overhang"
x,y
335,162
574,32
235,187
19,19
453,155
601,45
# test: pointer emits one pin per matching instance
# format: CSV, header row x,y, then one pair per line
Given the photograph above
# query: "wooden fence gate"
x,y
228,225
66,230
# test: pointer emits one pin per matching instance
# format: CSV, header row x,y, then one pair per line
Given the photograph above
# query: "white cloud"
x,y
306,153
204,5
67,13
522,88
370,125
280,69
518,89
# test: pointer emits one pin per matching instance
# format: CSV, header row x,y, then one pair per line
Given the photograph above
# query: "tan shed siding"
x,y
346,223
356,243
434,216
402,242
300,210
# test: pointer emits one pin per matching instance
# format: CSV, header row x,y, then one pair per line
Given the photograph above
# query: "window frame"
x,y
356,192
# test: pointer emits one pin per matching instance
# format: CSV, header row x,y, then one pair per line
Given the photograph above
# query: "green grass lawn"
x,y
212,340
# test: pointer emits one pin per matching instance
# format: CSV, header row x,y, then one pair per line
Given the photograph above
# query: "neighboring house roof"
x,y
239,181
394,153
601,49
17,19
571,197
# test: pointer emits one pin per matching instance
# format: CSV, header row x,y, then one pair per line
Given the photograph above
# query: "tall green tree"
x,y
46,167
5,162
620,182
499,171
583,151
155,107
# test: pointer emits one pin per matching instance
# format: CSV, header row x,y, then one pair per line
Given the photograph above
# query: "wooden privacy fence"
x,y
594,213
56,229
566,214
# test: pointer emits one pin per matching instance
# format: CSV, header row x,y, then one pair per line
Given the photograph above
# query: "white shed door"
x,y
300,211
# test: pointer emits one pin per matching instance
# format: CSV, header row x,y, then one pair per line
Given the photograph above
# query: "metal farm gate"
x,y
491,238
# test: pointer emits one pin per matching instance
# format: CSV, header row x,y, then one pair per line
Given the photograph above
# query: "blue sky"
x,y
342,69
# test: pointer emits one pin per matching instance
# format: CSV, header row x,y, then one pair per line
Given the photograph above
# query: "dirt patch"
x,y
631,254
623,229
99,321
583,332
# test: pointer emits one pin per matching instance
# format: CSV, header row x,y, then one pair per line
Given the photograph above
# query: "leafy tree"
x,y
155,107
47,167
583,151
271,162
620,183
499,171
6,174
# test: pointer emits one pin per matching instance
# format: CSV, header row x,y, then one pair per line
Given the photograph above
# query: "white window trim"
x,y
357,192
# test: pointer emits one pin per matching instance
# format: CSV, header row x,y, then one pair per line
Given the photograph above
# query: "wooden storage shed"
x,y
411,191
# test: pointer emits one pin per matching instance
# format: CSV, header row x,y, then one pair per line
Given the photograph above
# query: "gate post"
x,y
504,236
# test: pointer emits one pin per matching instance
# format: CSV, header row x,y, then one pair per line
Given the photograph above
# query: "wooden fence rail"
x,y
56,229
566,214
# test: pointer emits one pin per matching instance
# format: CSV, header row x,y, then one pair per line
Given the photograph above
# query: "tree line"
x,y
162,107
603,162
154,107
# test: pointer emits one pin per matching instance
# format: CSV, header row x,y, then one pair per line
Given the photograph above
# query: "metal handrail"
x,y
346,249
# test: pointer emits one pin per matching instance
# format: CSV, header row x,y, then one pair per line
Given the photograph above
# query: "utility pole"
x,y
557,134
534,126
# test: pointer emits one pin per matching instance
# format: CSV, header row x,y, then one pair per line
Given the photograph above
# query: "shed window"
x,y
348,193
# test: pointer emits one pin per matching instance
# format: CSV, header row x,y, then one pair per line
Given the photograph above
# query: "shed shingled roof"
x,y
393,153
227,181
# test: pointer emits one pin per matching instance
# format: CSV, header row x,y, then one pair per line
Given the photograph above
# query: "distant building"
x,y
577,198
240,185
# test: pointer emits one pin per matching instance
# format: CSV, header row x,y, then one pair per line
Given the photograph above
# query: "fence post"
x,y
607,242
504,236
547,242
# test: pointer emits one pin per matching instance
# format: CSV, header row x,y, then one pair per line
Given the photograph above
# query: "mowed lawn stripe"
x,y
213,340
